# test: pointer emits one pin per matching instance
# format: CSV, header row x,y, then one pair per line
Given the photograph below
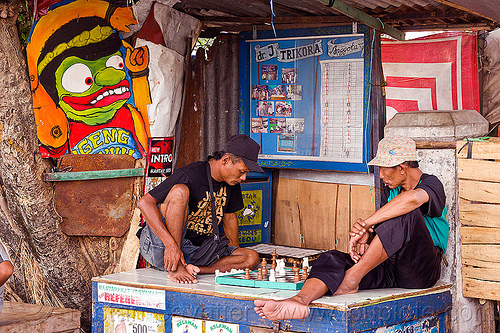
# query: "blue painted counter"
x,y
149,293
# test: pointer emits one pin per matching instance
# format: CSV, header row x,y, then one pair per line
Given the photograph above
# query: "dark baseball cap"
x,y
245,147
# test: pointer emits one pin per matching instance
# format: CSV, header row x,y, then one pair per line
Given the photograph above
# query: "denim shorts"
x,y
152,248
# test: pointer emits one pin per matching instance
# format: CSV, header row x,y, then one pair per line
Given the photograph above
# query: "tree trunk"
x,y
50,268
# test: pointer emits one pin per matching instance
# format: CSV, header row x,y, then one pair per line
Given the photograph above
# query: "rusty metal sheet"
x,y
97,207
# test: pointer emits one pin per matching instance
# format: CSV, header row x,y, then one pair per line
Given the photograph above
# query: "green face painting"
x,y
92,91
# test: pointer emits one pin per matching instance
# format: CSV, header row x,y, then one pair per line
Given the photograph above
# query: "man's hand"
x,y
360,228
172,257
360,233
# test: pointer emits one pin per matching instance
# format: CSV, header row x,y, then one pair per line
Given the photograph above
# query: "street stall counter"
x,y
145,301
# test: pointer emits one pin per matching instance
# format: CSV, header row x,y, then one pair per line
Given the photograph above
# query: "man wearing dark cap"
x,y
408,235
178,212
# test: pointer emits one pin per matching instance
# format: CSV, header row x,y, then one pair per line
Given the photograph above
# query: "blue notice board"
x,y
304,97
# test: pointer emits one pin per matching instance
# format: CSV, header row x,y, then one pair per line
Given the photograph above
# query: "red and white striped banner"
x,y
438,72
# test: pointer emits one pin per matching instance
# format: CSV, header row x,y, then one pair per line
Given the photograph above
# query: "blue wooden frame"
x,y
245,85
403,311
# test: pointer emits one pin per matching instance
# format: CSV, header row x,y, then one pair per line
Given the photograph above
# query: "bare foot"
x,y
192,269
183,274
348,286
290,308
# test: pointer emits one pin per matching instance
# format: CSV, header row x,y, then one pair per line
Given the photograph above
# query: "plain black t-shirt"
x,y
434,188
228,199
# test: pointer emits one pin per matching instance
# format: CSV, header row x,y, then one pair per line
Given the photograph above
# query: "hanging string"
x,y
272,17
365,125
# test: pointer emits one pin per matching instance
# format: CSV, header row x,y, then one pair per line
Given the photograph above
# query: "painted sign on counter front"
x,y
219,327
132,321
146,298
425,325
186,325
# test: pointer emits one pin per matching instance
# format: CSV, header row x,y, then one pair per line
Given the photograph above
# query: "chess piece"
x,y
296,277
294,267
280,268
264,266
273,262
272,276
259,274
305,262
247,274
304,272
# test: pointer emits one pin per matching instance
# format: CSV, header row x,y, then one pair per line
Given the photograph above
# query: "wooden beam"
x,y
454,5
87,175
359,15
487,308
281,19
448,14
435,144
213,31
449,27
24,317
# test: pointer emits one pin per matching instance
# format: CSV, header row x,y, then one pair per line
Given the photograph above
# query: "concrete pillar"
x,y
435,129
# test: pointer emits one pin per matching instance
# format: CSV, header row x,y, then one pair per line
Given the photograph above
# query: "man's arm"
x,y
401,204
6,270
230,224
149,209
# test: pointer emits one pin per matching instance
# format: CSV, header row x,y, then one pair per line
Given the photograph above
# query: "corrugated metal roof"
x,y
405,15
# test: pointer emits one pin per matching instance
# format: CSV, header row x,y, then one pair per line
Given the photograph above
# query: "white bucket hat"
x,y
394,150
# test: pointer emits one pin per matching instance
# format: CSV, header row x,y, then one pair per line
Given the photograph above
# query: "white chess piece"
x,y
280,266
305,262
272,277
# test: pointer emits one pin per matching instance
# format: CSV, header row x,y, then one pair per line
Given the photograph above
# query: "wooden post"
x,y
487,315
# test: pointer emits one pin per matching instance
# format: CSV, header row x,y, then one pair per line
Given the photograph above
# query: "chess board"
x,y
238,279
289,253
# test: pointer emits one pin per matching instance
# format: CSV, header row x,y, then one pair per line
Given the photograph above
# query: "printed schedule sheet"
x,y
342,84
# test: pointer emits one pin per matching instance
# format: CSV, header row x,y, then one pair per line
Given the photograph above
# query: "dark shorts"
x,y
152,248
414,261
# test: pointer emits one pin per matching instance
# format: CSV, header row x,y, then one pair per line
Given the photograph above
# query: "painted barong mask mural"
x,y
90,87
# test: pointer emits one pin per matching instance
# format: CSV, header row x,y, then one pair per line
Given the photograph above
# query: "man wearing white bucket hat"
x,y
408,234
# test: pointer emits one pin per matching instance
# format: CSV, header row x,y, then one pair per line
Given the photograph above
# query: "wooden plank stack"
x,y
478,164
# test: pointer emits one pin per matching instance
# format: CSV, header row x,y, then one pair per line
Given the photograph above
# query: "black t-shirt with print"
x,y
228,199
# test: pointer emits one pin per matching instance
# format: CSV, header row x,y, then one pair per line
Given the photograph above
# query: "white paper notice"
x,y
342,84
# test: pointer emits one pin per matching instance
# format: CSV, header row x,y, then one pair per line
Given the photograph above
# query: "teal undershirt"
x,y
438,226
